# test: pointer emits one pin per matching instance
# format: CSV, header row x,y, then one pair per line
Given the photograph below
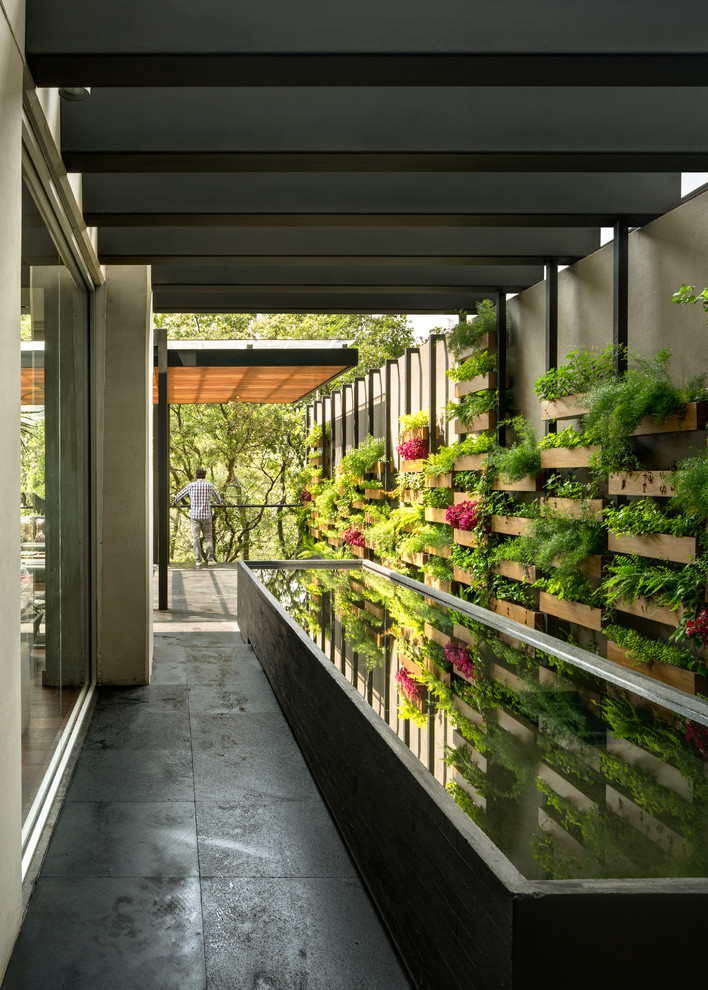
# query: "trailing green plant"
x,y
326,503
569,487
465,802
410,481
469,407
672,586
476,445
690,482
437,535
314,436
522,458
481,363
438,498
467,333
442,461
686,296
559,542
580,371
618,405
360,460
414,421
462,759
438,568
645,790
511,591
641,649
569,437
646,730
572,588
643,516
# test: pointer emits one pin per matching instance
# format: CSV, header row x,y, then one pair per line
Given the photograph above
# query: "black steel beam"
x,y
371,199
501,368
620,295
163,472
551,325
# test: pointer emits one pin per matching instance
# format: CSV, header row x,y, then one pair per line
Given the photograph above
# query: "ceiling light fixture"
x,y
75,93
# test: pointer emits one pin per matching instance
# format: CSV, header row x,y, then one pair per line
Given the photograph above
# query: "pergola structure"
x,y
384,156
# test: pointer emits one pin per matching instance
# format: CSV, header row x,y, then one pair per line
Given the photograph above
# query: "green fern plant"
x,y
522,458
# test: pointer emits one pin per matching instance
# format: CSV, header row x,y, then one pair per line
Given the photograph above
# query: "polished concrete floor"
x,y
193,849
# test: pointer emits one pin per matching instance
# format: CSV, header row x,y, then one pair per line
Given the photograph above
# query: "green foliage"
x,y
566,438
686,296
617,406
326,502
467,333
438,568
442,461
646,730
580,371
469,407
561,543
521,459
569,487
511,591
414,421
481,363
314,436
360,460
572,587
462,759
670,585
643,650
690,483
482,444
643,516
438,498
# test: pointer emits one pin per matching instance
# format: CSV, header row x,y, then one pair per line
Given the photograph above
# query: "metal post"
x,y
388,449
620,295
343,417
370,403
433,390
407,391
355,403
163,472
551,324
501,367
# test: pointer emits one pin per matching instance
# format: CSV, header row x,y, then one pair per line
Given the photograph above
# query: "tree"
x,y
255,454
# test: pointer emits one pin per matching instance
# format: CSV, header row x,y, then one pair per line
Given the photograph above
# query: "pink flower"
x,y
412,450
460,658
409,686
306,496
698,734
464,515
698,627
354,537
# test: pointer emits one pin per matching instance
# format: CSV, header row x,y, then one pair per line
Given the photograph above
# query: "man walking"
x,y
201,492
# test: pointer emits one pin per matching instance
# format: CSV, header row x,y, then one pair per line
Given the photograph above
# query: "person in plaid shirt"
x,y
201,492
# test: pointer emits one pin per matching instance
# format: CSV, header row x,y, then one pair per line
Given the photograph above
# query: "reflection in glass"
x,y
569,775
53,500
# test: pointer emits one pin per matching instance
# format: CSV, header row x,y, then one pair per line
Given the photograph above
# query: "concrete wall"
x,y
124,479
11,30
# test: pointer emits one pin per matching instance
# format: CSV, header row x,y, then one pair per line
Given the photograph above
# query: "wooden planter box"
x,y
463,634
416,559
525,484
374,493
641,483
410,495
471,462
685,680
517,572
591,567
419,433
358,504
336,541
648,609
370,545
439,480
444,676
433,634
408,467
378,468
562,457
574,508
462,576
569,407
316,461
582,615
524,616
694,416
486,342
378,611
480,383
435,515
444,551
359,552
465,538
485,421
681,549
370,518
316,444
511,525
438,585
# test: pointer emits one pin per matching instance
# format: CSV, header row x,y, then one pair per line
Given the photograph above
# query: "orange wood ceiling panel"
x,y
257,384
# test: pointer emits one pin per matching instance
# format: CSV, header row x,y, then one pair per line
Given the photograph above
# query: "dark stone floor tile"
x,y
243,732
286,934
138,727
158,698
123,839
133,775
216,699
232,777
168,672
262,836
110,934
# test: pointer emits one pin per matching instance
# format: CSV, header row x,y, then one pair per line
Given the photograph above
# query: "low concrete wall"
x,y
459,913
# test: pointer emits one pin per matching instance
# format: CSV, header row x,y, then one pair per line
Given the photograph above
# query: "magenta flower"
x,y
464,515
460,658
410,687
412,450
353,537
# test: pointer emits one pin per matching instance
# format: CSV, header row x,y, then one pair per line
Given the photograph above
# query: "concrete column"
x,y
124,475
11,21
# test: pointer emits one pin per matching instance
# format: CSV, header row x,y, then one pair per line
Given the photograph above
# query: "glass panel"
x,y
54,502
569,775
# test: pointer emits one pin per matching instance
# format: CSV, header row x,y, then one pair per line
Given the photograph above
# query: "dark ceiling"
x,y
383,156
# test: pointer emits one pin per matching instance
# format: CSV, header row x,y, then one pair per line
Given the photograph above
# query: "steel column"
x,y
433,390
163,472
620,295
501,367
551,324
